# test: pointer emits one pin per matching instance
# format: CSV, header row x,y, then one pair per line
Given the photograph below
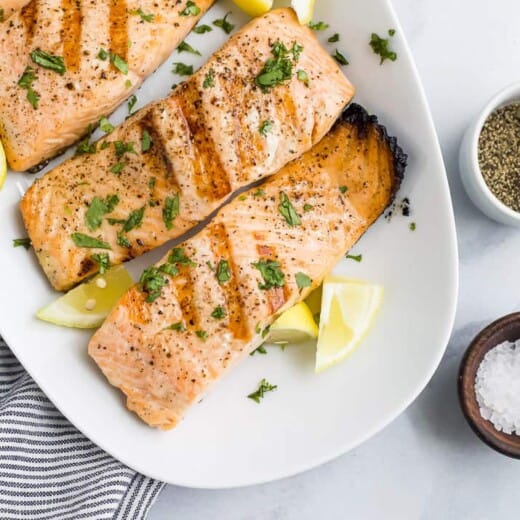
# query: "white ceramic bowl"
x,y
471,175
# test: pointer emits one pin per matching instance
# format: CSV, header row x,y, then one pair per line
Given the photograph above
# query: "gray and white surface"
x,y
427,464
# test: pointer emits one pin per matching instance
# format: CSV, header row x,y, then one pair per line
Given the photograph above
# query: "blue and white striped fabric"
x,y
49,470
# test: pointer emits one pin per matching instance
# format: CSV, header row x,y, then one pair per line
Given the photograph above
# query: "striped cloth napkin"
x,y
49,470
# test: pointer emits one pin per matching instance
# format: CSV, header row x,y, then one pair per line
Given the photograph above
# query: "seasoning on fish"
x,y
202,143
85,58
163,370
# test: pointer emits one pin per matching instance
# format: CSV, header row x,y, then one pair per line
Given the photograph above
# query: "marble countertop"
x,y
427,464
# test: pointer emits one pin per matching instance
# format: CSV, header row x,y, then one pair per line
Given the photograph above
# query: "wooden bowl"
x,y
504,329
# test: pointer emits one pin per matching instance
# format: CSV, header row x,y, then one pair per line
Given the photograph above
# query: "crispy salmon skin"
x,y
98,53
204,306
177,160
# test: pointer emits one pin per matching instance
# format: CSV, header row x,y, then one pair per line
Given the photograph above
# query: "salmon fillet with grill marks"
x,y
76,31
206,140
165,344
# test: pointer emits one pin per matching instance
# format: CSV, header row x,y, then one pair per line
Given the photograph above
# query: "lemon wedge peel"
x,y
293,326
348,311
304,10
254,7
87,305
3,166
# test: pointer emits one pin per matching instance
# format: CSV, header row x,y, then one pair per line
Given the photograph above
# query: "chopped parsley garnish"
x,y
22,242
260,350
340,58
226,26
84,146
146,141
97,209
356,258
287,210
263,388
303,77
151,183
334,38
202,334
105,125
208,79
223,273
131,103
177,256
25,82
242,198
265,332
186,47
191,9
102,54
343,189
413,226
182,69
265,127
104,145
118,167
259,193
145,17
152,282
128,84
119,63
48,61
318,26
134,220
103,261
82,240
169,269
307,207
179,326
218,313
271,273
279,68
302,280
122,148
201,29
122,240
380,47
171,210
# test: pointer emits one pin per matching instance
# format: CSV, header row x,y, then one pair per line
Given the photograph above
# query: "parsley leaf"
x,y
146,141
201,29
218,313
260,350
226,26
145,17
122,148
105,125
334,38
271,273
103,260
102,54
152,282
177,256
380,47
307,207
223,273
179,326
302,280
131,103
343,189
287,210
208,79
97,209
22,242
356,258
413,226
186,47
340,58
118,167
259,193
25,82
202,334
265,127
169,269
82,240
263,387
134,220
276,70
171,210
48,61
191,9
182,69
303,77
318,26
119,63
122,240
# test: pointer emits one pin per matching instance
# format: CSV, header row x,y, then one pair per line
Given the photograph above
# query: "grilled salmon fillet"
x,y
43,110
205,306
216,132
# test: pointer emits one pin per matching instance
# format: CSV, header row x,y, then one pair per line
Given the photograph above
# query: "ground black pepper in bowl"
x,y
499,154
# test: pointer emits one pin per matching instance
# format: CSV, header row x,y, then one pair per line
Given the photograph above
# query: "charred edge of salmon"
x,y
357,116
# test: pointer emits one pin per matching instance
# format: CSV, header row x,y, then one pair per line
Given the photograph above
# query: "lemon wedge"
x,y
304,10
347,312
3,166
254,7
293,326
87,306
313,301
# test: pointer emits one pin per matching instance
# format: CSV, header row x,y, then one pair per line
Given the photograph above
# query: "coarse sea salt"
x,y
497,387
